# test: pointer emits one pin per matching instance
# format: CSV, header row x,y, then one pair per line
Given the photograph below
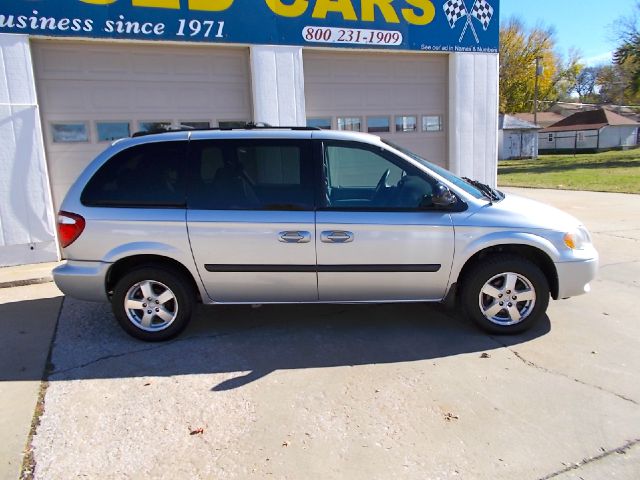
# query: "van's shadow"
x,y
245,344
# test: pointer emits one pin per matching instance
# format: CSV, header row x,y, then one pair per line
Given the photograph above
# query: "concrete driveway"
x,y
360,392
28,316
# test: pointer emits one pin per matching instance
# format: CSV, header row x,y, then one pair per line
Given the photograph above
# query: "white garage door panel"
x,y
358,84
70,165
92,82
114,97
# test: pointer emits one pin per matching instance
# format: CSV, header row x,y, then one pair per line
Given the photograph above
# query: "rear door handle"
x,y
294,237
336,236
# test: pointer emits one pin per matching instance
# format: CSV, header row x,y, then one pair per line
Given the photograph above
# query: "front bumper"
x,y
574,277
83,280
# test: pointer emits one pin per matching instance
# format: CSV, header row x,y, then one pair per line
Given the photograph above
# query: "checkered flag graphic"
x,y
483,12
455,10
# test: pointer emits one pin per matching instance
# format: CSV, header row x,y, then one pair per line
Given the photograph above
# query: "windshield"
x,y
457,181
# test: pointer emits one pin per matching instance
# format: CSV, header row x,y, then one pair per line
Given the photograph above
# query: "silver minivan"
x,y
159,222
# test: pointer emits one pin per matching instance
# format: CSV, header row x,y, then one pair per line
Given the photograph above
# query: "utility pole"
x,y
539,70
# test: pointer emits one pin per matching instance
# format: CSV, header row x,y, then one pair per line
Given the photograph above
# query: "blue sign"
x,y
430,25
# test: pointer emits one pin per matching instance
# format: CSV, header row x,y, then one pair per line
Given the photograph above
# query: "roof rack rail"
x,y
251,126
247,126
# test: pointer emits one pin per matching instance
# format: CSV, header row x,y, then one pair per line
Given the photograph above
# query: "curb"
x,y
25,282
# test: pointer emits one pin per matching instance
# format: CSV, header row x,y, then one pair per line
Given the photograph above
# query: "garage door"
x,y
401,97
92,93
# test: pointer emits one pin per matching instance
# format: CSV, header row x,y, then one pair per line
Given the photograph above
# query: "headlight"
x,y
577,239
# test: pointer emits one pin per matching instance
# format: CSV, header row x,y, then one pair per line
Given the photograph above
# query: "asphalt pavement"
x,y
359,392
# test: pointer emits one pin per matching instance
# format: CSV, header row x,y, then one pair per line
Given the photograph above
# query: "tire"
x,y
161,318
486,285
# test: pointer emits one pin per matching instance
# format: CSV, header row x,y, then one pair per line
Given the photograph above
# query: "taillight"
x,y
70,226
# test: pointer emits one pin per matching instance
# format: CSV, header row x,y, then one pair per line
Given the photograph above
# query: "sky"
x,y
587,25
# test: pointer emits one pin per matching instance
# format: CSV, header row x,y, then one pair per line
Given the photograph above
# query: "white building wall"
x,y
544,143
589,140
618,136
610,137
473,116
517,144
27,227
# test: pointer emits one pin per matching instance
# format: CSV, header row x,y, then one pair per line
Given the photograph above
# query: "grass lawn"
x,y
617,171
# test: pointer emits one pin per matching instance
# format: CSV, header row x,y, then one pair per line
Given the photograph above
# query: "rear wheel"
x,y
153,304
505,294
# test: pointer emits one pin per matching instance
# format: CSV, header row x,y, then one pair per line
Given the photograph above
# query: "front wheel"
x,y
153,304
505,294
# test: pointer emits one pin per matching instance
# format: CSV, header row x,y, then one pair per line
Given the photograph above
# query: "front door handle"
x,y
336,236
294,237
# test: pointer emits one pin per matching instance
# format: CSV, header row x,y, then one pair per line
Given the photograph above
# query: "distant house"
x,y
516,138
589,131
545,119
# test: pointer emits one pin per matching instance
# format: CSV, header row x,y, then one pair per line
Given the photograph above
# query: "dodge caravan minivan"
x,y
159,222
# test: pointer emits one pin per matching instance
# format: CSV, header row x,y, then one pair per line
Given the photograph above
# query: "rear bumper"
x,y
83,280
574,277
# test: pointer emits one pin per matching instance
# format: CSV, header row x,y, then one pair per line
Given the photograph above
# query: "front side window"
x,y
251,175
150,175
365,178
457,181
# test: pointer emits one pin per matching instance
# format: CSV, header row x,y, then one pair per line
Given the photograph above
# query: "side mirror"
x,y
442,196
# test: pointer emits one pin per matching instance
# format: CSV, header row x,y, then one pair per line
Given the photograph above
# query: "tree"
x,y
627,55
613,83
519,48
585,84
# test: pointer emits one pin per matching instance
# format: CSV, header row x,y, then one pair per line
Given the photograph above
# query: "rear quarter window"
x,y
251,175
149,175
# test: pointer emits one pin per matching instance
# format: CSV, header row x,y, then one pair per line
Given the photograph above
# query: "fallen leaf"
x,y
450,416
146,384
485,355
197,431
285,444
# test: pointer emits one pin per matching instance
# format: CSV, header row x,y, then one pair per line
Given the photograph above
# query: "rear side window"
x,y
251,175
149,175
